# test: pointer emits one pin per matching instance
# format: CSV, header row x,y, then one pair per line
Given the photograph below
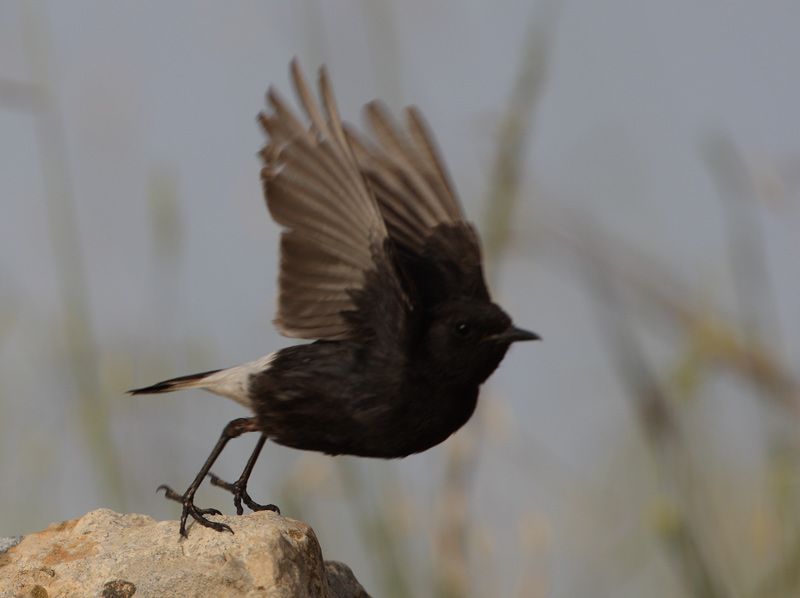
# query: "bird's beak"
x,y
514,334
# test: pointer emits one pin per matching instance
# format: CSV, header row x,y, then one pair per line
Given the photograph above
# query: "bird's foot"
x,y
239,491
189,508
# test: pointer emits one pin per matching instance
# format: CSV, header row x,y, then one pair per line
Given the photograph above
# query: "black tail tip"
x,y
171,384
150,390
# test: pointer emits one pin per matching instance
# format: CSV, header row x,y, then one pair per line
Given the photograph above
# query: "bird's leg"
x,y
239,487
235,428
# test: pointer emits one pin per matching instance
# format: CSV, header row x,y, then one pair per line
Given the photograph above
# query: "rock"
x,y
109,555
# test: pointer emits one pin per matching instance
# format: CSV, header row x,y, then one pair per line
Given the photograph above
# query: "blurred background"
x,y
634,168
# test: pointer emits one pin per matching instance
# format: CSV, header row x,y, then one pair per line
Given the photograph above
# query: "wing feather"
x,y
434,168
335,238
356,213
406,164
405,171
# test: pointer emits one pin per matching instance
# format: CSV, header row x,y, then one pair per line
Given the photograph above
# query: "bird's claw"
x,y
189,508
239,491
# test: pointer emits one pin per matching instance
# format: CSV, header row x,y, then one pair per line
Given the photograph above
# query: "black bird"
x,y
380,268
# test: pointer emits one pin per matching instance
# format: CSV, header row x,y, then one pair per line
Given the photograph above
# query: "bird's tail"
x,y
233,383
180,383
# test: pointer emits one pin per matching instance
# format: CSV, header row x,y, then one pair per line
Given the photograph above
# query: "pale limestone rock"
x,y
110,555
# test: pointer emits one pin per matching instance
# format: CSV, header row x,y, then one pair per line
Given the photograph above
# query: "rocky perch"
x,y
110,555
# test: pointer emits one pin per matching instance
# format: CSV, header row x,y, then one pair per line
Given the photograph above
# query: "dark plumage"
x,y
378,267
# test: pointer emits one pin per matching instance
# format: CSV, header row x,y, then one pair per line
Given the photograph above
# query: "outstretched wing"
x,y
419,204
337,279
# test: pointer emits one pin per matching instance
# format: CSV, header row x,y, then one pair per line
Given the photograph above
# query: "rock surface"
x,y
110,555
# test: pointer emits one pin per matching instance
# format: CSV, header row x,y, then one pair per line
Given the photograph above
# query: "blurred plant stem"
x,y
80,351
386,65
661,293
713,341
505,190
757,314
374,526
513,141
678,525
316,39
746,247
784,579
757,307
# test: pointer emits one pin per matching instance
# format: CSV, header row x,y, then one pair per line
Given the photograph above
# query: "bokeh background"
x,y
634,168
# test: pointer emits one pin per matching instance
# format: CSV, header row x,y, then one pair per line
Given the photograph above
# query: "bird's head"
x,y
467,340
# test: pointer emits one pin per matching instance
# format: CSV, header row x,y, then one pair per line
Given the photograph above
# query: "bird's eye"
x,y
463,329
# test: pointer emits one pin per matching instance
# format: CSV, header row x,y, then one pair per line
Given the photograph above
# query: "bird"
x,y
382,272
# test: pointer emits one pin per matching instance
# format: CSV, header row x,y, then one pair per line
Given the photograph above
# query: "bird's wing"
x,y
337,279
419,204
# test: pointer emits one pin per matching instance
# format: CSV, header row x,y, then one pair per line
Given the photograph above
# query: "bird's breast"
x,y
315,398
435,414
